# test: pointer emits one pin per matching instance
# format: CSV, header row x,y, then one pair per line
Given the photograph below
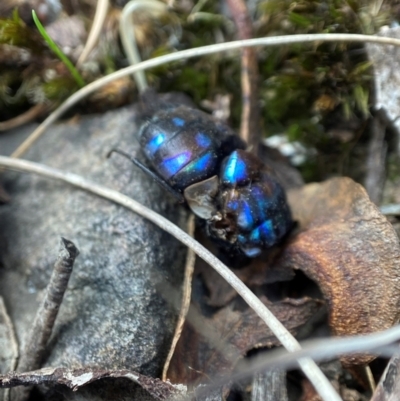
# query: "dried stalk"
x,y
35,347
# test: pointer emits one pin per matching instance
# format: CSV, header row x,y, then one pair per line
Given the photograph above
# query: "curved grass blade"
x,y
74,72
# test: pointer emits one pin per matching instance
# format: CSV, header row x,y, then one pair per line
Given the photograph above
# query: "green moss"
x,y
309,170
192,81
297,78
9,87
59,88
299,20
13,31
294,80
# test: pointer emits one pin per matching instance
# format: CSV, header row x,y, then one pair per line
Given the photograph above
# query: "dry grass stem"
x,y
127,34
196,52
186,297
13,343
250,121
24,118
98,22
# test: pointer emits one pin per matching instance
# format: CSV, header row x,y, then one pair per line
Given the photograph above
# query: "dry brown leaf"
x,y
214,346
256,273
352,252
247,331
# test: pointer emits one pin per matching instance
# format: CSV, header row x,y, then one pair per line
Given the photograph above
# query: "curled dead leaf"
x,y
352,252
211,346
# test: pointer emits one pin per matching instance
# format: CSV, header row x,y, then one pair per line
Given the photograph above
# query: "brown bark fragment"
x,y
76,378
352,252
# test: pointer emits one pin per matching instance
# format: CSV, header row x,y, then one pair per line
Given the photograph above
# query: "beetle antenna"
x,y
177,195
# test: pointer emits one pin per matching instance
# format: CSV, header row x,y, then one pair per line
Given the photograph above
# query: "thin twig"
x,y
203,327
250,120
23,118
11,334
12,343
98,22
36,342
184,54
309,367
363,375
186,296
370,378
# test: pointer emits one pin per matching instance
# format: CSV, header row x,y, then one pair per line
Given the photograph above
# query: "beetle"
x,y
204,164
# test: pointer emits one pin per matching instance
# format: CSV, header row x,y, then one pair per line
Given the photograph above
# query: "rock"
x,y
112,315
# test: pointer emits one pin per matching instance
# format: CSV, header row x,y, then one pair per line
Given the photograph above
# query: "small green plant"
x,y
57,51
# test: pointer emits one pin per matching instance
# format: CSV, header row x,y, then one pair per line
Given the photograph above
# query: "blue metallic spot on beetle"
x,y
179,122
264,232
175,163
241,239
203,140
235,169
232,204
245,217
201,163
154,144
255,235
258,193
262,203
251,252
267,231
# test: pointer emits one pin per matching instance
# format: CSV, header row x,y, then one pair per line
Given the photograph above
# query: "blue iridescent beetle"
x,y
204,164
